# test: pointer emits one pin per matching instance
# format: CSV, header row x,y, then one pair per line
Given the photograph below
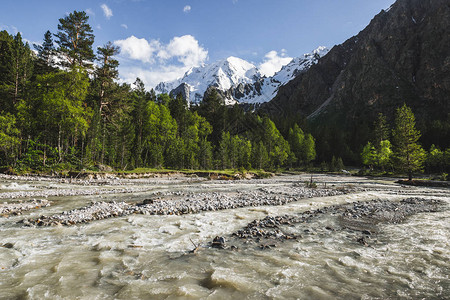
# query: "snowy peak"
x,y
238,80
223,75
299,64
267,88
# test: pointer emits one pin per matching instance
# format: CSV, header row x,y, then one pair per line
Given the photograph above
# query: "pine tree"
x,y
140,113
107,72
45,56
75,38
381,130
408,153
16,67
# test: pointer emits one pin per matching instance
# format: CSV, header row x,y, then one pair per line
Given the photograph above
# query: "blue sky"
x,y
161,39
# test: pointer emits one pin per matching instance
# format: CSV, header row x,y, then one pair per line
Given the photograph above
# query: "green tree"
x,y
384,154
75,38
223,152
140,116
60,107
296,138
409,154
106,73
161,129
213,109
45,55
16,66
9,137
308,149
381,130
277,147
260,157
368,155
435,159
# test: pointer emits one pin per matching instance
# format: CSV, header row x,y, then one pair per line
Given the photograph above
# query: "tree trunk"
x,y
59,143
103,143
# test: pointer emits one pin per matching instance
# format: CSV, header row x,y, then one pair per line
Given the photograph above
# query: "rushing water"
x,y
147,257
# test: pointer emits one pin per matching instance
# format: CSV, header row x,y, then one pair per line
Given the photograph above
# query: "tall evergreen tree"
x,y
381,131
16,66
45,55
107,72
140,114
408,153
75,38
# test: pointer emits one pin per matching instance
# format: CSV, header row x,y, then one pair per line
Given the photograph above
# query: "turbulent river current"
x,y
140,256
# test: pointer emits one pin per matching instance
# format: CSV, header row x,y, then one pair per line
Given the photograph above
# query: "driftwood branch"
x,y
196,247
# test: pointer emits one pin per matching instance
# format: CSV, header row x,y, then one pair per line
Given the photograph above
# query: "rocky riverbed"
x,y
183,203
16,208
349,238
361,217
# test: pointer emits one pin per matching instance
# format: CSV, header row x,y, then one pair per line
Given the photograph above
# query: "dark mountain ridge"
x,y
402,56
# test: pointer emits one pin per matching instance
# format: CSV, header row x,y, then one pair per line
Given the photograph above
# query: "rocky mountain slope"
x,y
237,80
402,56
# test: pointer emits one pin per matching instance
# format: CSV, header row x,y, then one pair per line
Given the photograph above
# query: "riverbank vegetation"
x,y
63,108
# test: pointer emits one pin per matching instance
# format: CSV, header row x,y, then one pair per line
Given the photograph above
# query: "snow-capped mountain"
x,y
237,80
267,87
223,75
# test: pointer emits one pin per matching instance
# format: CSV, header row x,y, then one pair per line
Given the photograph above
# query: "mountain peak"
x,y
238,80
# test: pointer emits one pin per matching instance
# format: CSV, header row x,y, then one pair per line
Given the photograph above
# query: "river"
x,y
148,256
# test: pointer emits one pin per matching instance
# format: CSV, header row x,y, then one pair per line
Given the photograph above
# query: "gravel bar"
x,y
17,208
189,203
361,216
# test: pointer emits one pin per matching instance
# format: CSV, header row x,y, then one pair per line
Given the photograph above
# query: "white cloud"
x,y
273,62
99,27
89,11
163,62
124,26
138,49
106,11
152,76
186,49
187,8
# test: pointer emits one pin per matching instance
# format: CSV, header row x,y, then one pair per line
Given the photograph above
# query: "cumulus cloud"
x,y
186,49
273,62
187,8
162,62
138,49
124,26
106,11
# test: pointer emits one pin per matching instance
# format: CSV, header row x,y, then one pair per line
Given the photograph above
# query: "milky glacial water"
x,y
147,257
